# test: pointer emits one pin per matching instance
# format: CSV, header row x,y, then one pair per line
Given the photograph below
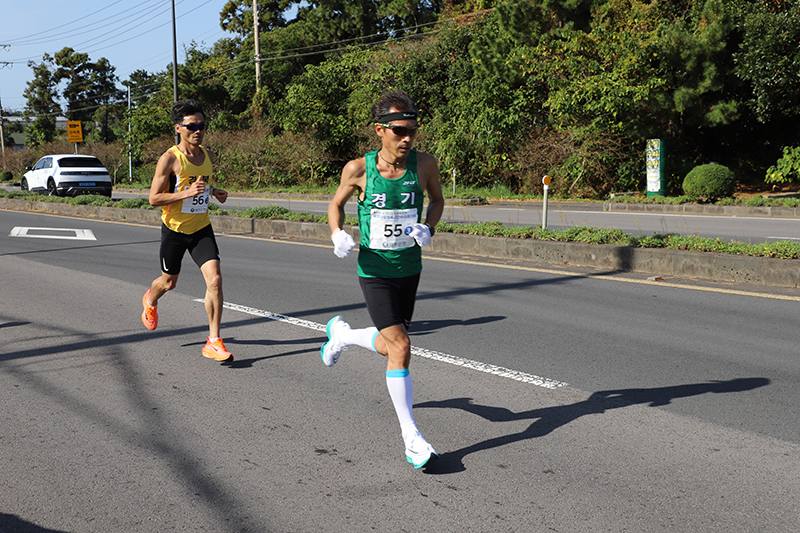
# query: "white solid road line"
x,y
421,352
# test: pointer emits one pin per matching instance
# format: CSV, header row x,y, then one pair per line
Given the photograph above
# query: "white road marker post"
x,y
546,182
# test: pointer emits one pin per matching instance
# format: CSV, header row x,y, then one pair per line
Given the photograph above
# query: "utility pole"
x,y
130,158
2,136
2,131
258,51
174,66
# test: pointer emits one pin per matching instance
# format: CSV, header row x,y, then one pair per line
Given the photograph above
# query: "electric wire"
x,y
240,63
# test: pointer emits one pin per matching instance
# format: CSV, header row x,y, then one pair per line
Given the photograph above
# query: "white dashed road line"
x,y
421,352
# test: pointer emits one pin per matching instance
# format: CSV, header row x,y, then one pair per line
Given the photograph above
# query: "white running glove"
x,y
343,243
421,234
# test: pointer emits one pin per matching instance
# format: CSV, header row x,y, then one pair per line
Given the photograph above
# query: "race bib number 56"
x,y
389,229
196,204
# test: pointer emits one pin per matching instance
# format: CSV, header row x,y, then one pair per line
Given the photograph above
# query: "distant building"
x,y
17,139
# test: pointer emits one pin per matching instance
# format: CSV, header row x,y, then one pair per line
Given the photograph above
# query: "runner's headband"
x,y
400,115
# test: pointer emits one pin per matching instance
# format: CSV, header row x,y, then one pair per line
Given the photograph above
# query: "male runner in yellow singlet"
x,y
180,186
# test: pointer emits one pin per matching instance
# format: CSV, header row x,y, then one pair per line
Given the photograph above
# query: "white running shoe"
x,y
332,349
419,452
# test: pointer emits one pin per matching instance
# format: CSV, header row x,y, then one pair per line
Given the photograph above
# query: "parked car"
x,y
67,175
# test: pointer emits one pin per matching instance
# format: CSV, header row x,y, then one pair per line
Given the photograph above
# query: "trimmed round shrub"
x,y
6,176
710,182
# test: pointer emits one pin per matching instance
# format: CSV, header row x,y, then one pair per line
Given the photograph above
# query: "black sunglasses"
x,y
400,131
194,127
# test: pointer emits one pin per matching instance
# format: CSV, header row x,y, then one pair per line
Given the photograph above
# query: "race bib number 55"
x,y
389,228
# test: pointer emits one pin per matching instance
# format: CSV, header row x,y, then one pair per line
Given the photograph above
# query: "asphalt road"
x,y
560,400
563,215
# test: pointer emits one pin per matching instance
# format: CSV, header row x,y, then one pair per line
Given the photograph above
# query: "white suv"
x,y
68,175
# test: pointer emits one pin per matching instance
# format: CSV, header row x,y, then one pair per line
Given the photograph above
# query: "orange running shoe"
x,y
150,313
216,351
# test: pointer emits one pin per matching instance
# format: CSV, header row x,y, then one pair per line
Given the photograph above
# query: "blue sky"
x,y
131,34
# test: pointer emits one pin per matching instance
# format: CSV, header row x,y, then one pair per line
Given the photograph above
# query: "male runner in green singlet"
x,y
180,187
390,184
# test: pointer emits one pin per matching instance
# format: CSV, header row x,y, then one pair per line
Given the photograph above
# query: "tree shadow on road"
x,y
548,419
12,523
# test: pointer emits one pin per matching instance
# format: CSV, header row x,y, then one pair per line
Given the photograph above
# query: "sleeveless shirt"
x,y
190,215
385,219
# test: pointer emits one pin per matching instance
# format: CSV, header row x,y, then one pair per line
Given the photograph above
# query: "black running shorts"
x,y
201,245
390,301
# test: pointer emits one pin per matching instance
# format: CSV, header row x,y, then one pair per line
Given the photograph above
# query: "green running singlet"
x,y
385,219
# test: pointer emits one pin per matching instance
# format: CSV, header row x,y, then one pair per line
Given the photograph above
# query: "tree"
x,y
237,15
143,84
91,92
769,56
41,103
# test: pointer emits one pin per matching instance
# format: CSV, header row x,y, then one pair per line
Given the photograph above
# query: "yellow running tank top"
x,y
189,215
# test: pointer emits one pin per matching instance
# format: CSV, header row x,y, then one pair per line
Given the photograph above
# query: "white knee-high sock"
x,y
401,391
361,337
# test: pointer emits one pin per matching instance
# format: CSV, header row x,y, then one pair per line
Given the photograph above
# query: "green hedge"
x,y
585,234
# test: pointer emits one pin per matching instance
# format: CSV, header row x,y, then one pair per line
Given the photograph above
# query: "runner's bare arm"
x,y
354,176
429,181
167,165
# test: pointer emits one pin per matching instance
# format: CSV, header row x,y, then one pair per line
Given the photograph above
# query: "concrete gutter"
x,y
703,209
654,261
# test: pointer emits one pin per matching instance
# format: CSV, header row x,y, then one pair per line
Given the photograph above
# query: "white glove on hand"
x,y
343,243
421,234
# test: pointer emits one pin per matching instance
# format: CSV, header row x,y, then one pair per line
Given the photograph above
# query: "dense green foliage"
x,y
509,90
710,182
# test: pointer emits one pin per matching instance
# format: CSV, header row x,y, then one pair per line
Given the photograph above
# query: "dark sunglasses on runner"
x,y
401,131
194,127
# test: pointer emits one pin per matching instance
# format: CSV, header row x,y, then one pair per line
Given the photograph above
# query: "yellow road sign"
x,y
74,131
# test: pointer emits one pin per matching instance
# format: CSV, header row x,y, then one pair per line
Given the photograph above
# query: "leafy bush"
x,y
6,176
91,199
16,194
787,168
266,211
710,182
135,203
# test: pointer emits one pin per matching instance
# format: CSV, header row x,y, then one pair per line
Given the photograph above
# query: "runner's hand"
x,y
343,243
220,194
197,187
421,234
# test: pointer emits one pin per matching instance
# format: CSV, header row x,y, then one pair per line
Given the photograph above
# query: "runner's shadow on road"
x,y
549,419
427,326
13,324
248,363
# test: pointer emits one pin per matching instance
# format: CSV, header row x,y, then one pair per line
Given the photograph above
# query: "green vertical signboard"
x,y
656,163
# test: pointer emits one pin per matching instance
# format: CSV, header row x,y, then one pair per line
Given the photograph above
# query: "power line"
x,y
76,33
61,26
240,63
94,40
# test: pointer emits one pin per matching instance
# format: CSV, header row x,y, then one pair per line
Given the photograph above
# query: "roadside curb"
x,y
660,262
